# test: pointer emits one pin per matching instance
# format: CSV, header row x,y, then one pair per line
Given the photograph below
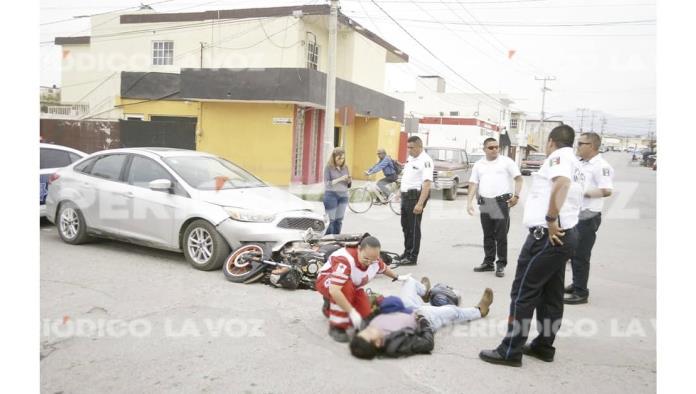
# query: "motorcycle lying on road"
x,y
295,265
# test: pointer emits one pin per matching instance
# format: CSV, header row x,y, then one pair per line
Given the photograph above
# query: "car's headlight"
x,y
246,215
445,174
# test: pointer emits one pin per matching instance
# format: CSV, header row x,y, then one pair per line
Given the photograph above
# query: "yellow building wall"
x,y
244,133
369,134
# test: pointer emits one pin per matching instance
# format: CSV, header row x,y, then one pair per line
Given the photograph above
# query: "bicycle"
x,y
360,199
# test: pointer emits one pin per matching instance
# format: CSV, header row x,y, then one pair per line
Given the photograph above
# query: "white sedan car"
x,y
53,157
176,200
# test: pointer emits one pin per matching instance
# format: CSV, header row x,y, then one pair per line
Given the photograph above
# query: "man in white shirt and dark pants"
x,y
491,180
550,213
416,179
598,184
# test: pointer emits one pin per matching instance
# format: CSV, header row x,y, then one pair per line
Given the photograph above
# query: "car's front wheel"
x,y
71,224
204,248
451,193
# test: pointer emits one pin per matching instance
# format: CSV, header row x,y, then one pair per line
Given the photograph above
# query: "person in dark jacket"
x,y
385,165
408,328
337,181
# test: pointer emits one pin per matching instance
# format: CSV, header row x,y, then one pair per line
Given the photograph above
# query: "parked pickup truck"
x,y
452,170
532,163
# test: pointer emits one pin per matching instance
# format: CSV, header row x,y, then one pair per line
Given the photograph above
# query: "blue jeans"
x,y
438,316
335,206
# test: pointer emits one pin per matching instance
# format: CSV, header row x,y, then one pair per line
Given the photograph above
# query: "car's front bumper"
x,y
237,233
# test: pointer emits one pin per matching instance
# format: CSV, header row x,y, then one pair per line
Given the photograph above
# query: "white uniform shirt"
x,y
416,171
494,177
598,175
562,162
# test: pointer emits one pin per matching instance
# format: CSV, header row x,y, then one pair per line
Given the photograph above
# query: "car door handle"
x,y
127,195
87,185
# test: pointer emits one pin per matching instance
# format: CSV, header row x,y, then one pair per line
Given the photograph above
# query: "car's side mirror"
x,y
160,185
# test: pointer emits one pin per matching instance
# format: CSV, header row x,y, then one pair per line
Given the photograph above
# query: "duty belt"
x,y
500,198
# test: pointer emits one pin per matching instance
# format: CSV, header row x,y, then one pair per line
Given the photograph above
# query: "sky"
x,y
602,54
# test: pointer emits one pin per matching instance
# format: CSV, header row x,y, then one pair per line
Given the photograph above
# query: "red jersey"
x,y
343,265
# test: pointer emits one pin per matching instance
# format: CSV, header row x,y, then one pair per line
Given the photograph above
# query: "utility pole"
x,y
582,117
543,101
651,134
592,124
330,112
603,123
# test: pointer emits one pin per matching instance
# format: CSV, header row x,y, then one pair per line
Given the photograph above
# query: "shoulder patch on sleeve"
x,y
606,171
555,161
427,164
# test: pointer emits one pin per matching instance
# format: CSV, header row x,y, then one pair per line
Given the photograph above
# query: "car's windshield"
x,y
210,173
536,157
444,154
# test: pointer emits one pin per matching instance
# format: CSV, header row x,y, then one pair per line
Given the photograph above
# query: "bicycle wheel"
x,y
359,200
395,202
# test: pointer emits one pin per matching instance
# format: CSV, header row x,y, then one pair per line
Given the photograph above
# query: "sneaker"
x,y
575,299
484,267
426,282
339,335
407,261
486,301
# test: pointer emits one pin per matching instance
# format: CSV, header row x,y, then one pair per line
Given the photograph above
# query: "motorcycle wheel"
x,y
244,272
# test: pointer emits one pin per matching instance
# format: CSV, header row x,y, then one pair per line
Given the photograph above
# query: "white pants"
x,y
438,316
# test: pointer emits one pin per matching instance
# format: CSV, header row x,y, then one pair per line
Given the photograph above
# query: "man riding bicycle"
x,y
386,165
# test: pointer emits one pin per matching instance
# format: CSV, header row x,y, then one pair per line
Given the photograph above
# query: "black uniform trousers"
x,y
411,224
495,222
538,286
587,232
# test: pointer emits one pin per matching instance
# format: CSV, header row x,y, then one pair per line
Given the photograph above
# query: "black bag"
x,y
398,168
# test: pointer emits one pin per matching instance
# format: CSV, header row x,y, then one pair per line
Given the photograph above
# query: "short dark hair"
x,y
361,348
489,139
563,136
415,139
371,242
594,138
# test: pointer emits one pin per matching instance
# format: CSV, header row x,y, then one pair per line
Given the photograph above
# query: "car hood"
x,y
266,199
446,165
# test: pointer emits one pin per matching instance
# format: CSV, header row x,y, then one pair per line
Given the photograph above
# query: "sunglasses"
x,y
492,147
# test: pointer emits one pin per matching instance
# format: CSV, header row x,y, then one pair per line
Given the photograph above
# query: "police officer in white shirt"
x,y
416,180
492,178
598,184
551,213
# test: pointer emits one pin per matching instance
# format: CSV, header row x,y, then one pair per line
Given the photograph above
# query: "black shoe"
x,y
574,299
339,335
570,289
536,353
484,267
493,357
500,271
407,261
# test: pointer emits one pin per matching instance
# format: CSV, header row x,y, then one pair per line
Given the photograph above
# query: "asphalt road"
x,y
122,318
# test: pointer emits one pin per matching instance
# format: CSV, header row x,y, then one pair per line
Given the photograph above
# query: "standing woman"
x,y
337,182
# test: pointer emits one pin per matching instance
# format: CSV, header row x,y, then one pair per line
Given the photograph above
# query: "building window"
x,y
454,113
299,142
162,53
513,123
312,55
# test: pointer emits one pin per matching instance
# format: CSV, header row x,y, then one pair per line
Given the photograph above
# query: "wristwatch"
x,y
550,219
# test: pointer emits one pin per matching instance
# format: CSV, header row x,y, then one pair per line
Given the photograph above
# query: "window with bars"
x,y
299,142
513,123
162,53
312,55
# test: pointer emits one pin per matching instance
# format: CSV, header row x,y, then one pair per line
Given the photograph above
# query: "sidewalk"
x,y
315,191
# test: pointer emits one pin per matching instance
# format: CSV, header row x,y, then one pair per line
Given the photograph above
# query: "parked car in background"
x,y
474,157
452,170
51,158
532,163
179,200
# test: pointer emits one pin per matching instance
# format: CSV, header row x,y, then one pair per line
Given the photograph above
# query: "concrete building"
x,y
461,120
247,84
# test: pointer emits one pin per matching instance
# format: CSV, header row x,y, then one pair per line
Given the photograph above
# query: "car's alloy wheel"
x,y
200,246
72,227
69,223
204,247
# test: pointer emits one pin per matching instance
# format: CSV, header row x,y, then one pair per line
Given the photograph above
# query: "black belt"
x,y
539,232
500,198
411,193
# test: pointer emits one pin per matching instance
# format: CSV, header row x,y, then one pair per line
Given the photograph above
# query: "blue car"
x,y
53,157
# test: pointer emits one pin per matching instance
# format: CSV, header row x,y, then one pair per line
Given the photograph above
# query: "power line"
x,y
435,56
107,12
